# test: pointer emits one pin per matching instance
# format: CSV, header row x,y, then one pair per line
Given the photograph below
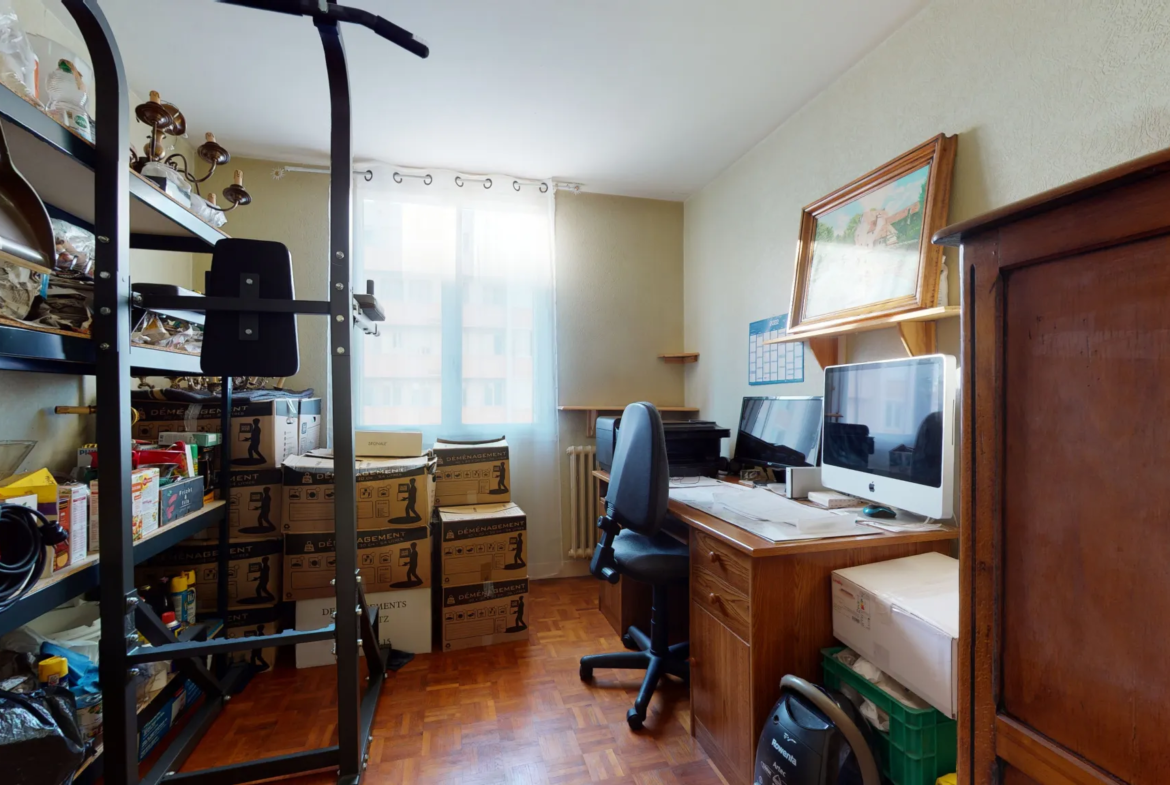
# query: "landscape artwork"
x,y
868,250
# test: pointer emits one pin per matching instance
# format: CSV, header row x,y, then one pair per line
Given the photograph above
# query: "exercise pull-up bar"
x,y
320,10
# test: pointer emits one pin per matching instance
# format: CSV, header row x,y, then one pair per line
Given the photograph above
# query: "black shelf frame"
x,y
127,211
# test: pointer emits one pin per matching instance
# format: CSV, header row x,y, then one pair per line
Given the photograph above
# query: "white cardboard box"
x,y
388,444
903,616
404,622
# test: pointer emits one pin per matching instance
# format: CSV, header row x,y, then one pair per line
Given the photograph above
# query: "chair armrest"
x,y
603,566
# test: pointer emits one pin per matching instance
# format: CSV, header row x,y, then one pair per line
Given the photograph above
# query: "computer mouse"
x,y
878,511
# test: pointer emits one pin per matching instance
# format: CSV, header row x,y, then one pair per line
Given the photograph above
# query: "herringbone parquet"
x,y
515,713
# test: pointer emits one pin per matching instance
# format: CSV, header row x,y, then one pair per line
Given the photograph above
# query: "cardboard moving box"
x,y
483,615
390,492
903,616
481,543
404,623
264,433
254,571
388,444
471,472
396,558
248,623
254,504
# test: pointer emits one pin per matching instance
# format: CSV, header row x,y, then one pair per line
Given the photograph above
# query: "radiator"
x,y
583,501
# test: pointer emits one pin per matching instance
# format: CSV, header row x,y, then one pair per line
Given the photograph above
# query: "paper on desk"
x,y
900,526
736,505
764,506
693,482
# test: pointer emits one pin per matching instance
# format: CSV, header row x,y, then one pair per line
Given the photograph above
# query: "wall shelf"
x,y
592,411
684,358
917,329
26,348
79,578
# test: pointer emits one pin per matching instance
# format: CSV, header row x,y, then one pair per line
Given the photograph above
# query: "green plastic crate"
x,y
922,744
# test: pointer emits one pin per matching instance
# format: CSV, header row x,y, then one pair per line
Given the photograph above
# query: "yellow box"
x,y
39,483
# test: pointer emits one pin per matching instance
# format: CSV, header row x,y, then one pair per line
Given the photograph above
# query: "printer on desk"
x,y
693,447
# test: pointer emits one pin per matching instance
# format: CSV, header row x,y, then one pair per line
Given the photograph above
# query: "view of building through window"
x,y
461,289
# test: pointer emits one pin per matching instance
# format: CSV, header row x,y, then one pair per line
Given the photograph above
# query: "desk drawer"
x,y
728,605
721,560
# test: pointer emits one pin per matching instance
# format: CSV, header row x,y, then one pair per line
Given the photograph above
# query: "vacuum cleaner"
x,y
815,736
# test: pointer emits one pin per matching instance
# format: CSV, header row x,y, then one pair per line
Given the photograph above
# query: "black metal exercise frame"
x,y
122,614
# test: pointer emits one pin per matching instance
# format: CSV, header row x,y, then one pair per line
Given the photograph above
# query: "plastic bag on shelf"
x,y
40,742
74,247
167,332
19,289
18,63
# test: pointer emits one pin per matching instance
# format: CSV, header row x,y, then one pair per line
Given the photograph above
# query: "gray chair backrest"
x,y
639,481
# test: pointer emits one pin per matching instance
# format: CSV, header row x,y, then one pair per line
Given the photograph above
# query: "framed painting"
x,y
864,250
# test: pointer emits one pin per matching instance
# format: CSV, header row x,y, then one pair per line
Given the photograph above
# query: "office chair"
x,y
633,546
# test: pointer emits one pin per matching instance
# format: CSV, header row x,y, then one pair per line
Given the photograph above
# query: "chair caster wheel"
x,y
634,719
629,642
586,672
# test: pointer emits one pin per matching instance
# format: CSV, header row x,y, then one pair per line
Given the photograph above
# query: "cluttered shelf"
x,y
59,164
25,347
79,578
176,694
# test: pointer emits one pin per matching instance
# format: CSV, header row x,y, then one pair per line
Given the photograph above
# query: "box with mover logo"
x,y
310,425
390,492
248,623
254,571
404,623
903,616
398,558
264,433
254,503
471,472
482,615
482,542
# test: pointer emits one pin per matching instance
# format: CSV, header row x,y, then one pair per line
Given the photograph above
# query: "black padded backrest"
x,y
639,481
255,344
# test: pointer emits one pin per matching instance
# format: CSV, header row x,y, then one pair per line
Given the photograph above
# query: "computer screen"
x,y
778,432
886,419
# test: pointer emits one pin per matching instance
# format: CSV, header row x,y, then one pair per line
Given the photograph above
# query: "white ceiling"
x,y
640,97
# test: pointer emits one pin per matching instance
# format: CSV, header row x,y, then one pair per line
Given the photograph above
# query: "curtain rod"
x,y
427,179
281,171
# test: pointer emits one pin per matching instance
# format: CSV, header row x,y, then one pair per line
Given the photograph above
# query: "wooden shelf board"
x,y
681,357
925,315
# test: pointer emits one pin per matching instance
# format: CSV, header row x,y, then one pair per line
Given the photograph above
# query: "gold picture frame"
x,y
864,250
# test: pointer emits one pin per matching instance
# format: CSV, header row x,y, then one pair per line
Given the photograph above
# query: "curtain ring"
x,y
458,181
544,188
487,183
397,178
427,180
515,185
368,175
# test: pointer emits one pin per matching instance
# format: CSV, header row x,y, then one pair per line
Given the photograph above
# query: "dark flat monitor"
x,y
779,431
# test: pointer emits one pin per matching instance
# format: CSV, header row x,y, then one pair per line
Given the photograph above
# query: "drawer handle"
x,y
713,556
714,598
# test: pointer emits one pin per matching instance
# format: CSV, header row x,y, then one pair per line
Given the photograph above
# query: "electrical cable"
x,y
24,536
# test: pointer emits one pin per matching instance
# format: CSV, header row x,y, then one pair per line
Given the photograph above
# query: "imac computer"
x,y
890,433
779,432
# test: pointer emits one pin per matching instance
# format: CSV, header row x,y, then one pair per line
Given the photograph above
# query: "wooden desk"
x,y
763,609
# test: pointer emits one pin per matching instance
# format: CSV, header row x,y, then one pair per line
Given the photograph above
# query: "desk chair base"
x,y
650,653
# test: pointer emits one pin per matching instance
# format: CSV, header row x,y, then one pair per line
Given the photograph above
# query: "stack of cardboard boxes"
x,y
263,434
395,500
481,553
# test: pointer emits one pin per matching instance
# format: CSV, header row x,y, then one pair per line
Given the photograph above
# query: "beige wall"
x,y
619,306
1040,93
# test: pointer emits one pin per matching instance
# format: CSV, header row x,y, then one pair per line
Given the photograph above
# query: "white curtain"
x,y
467,351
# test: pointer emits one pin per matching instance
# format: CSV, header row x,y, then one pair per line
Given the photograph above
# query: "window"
x,y
468,339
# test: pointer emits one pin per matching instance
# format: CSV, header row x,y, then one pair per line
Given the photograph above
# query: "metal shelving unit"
x,y
92,186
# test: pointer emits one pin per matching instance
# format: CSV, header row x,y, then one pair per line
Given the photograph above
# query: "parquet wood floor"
x,y
502,715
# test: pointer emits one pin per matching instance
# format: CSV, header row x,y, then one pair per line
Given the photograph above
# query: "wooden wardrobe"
x,y
1065,552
